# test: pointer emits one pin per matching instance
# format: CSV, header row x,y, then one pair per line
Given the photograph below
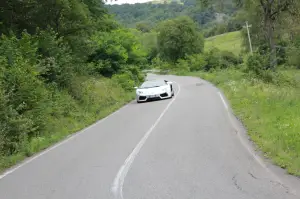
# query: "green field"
x,y
230,41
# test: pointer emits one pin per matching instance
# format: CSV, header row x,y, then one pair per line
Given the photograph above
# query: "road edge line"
x,y
245,145
60,143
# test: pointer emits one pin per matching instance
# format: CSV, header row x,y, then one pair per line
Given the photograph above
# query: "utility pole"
x,y
249,38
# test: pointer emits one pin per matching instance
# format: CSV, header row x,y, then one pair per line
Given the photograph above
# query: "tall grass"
x,y
228,42
95,99
271,113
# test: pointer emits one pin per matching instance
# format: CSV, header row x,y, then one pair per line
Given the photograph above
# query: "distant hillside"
x,y
151,13
229,41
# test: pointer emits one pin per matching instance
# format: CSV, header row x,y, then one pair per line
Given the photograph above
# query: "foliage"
x,y
152,13
73,20
53,55
273,23
209,61
143,27
293,53
195,62
145,16
149,43
179,37
115,49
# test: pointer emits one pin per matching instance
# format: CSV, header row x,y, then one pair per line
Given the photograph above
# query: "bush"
x,y
196,62
213,59
25,97
231,58
135,72
258,66
157,63
125,80
46,94
181,67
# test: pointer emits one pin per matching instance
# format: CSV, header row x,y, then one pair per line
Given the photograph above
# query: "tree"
x,y
269,13
179,37
114,50
143,27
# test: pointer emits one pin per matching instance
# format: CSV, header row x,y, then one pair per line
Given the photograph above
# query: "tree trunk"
x,y
269,25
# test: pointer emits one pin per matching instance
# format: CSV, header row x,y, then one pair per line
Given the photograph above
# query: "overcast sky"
x,y
127,1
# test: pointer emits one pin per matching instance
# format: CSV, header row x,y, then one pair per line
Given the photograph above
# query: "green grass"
x,y
271,113
229,41
99,99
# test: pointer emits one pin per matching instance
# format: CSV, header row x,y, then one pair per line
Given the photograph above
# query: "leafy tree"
x,y
149,42
269,14
115,49
179,37
47,82
144,27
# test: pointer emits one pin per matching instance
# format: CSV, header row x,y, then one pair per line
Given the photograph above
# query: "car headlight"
x,y
164,90
139,92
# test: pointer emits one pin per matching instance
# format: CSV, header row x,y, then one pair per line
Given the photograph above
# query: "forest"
x,y
213,20
68,63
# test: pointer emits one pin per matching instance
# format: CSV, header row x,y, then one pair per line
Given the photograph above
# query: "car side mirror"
x,y
135,87
169,82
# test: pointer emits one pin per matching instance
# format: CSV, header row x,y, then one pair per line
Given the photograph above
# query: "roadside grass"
x,y
229,41
99,99
271,113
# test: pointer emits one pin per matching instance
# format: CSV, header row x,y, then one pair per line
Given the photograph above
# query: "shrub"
x,y
125,80
135,72
181,67
213,59
230,57
196,62
161,65
257,65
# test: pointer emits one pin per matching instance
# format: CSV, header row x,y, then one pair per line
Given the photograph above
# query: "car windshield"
x,y
151,84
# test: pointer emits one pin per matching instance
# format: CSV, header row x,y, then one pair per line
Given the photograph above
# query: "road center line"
x,y
117,186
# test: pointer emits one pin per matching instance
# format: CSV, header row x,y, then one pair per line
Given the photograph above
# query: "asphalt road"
x,y
182,148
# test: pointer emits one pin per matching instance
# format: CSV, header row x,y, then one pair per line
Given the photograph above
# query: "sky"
x,y
126,1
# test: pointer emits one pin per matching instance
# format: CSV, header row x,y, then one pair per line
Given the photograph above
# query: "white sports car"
x,y
154,89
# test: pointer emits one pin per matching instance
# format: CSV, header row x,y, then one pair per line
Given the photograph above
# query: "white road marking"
x,y
223,100
68,138
246,145
117,186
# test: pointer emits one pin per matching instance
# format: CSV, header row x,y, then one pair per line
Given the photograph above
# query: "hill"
x,y
229,41
151,13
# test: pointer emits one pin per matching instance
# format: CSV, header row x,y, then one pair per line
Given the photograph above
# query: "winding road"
x,y
187,147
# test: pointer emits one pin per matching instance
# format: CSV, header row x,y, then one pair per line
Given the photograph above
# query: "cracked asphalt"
x,y
193,152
